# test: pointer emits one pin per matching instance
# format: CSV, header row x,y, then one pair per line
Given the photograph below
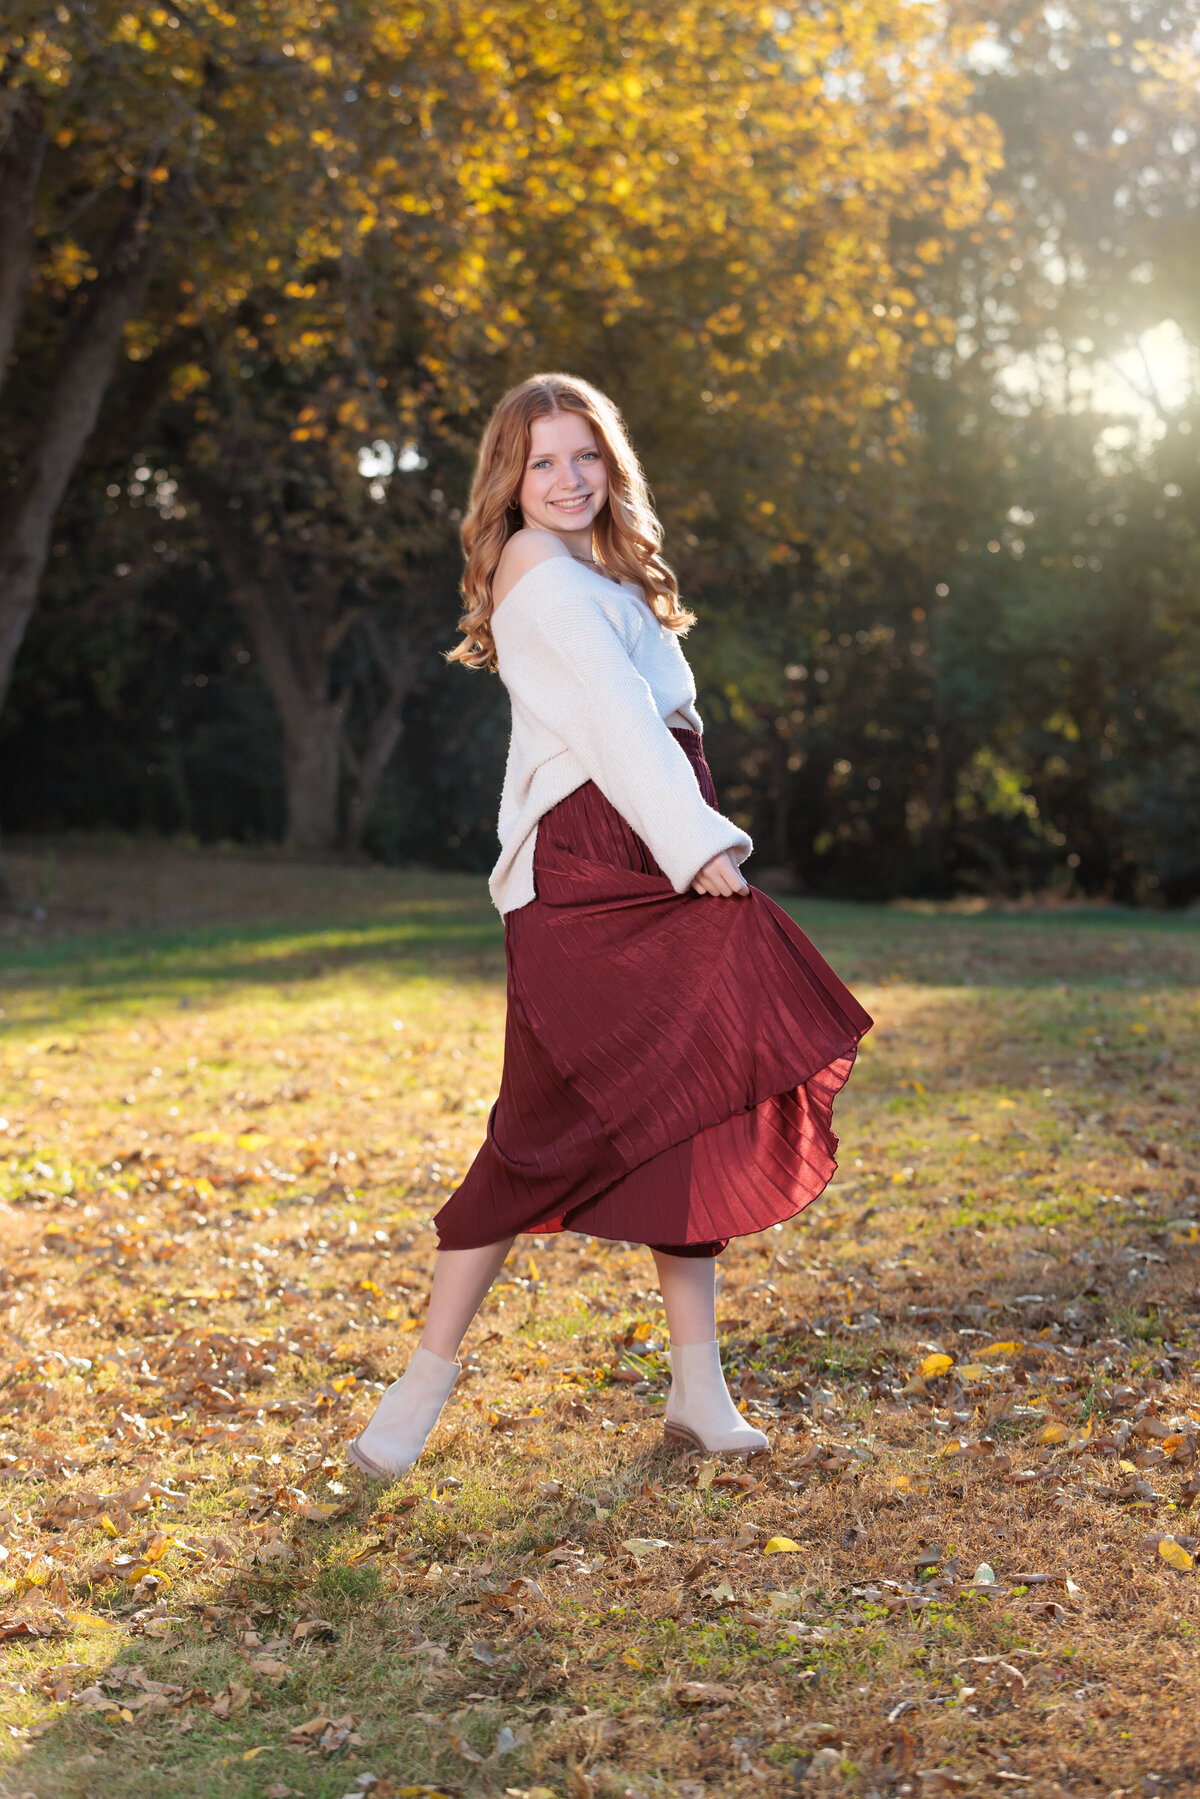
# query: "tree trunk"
x,y
65,424
311,768
20,166
399,669
295,641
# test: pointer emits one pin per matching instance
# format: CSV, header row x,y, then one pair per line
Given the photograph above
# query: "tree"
x,y
405,207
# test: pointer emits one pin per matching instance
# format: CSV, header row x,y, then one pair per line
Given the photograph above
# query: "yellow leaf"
x,y
973,1371
89,1623
1175,1555
533,1270
1008,1104
1053,1433
134,1574
632,1659
642,1331
107,1526
999,1349
262,1749
933,1365
781,1546
909,1483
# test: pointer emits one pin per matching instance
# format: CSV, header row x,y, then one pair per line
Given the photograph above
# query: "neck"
x,y
579,543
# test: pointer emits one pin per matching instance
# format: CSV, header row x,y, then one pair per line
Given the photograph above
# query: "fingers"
x,y
721,879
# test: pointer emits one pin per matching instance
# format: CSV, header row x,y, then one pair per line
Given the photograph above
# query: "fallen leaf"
x,y
1175,1555
311,1728
781,1546
722,1592
984,1575
270,1668
461,1746
1053,1433
999,1349
337,1733
88,1624
934,1365
703,1692
235,1698
639,1546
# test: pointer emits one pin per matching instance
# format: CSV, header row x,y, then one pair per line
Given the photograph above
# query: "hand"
x,y
721,878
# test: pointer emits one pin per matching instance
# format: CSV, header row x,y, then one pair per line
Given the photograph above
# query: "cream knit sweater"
x,y
593,678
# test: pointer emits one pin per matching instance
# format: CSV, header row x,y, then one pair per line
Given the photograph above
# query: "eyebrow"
x,y
583,450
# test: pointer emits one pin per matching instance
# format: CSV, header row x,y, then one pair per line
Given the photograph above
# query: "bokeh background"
x,y
901,302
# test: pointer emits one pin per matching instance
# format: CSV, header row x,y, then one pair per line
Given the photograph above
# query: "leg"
x,y
461,1279
700,1410
412,1405
688,1285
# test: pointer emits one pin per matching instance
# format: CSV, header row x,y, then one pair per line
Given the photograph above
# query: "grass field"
x,y
233,1095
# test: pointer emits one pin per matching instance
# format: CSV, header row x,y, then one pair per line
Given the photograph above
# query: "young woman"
x,y
674,1042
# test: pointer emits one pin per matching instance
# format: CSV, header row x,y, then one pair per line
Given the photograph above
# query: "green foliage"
x,y
946,574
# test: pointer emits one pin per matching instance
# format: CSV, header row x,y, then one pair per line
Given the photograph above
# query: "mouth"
x,y
579,504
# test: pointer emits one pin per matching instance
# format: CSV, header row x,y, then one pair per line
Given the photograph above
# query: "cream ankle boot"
x,y
700,1410
404,1417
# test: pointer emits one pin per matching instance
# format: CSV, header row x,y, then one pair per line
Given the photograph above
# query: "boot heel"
x,y
679,1433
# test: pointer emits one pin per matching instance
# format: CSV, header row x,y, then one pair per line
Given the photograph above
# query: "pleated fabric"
x,y
670,1061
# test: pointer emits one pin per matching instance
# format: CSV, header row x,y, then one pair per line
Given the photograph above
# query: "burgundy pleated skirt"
x,y
670,1061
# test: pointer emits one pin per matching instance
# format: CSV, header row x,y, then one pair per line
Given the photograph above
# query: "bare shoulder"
x,y
523,551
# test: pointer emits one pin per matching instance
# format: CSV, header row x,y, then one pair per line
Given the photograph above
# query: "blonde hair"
x,y
626,537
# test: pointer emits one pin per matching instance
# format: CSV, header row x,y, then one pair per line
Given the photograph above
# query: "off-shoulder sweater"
x,y
596,682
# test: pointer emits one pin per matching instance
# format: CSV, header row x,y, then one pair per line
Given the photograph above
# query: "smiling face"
x,y
565,485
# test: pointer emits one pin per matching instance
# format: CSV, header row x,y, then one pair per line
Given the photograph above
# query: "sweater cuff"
x,y
681,864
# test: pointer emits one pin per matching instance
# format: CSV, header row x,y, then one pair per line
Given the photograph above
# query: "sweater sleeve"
x,y
561,658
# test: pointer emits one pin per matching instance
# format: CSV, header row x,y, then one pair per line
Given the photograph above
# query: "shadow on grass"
x,y
453,938
123,970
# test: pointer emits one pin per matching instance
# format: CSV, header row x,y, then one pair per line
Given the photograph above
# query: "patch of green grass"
x,y
351,1586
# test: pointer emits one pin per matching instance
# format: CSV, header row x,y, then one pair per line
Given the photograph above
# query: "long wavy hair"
x,y
626,537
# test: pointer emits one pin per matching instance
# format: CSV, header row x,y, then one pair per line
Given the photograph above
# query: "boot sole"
x,y
679,1433
358,1458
